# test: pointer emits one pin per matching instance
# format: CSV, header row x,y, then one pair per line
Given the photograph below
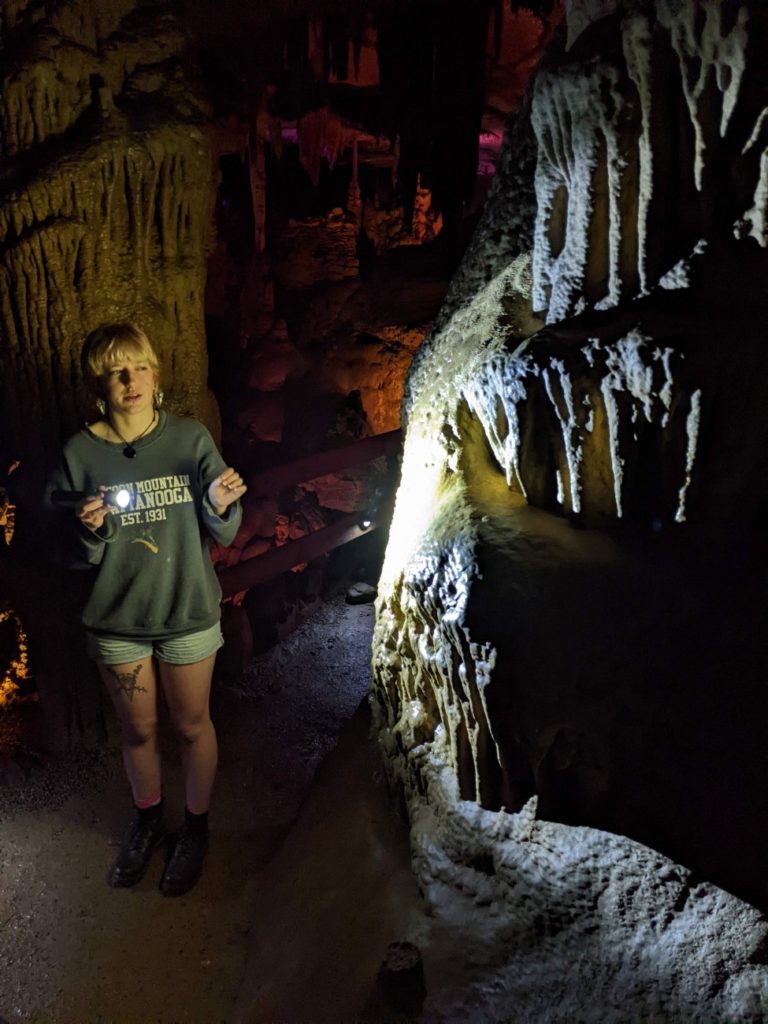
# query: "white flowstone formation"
x,y
562,924
575,544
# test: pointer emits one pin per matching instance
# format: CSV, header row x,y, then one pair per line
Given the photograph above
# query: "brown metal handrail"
x,y
250,571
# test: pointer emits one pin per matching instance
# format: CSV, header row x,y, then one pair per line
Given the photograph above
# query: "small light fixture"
x,y
369,514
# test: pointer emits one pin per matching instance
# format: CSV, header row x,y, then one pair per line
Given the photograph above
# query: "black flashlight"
x,y
68,499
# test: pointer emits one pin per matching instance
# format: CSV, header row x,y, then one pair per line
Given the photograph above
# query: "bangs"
x,y
123,351
118,343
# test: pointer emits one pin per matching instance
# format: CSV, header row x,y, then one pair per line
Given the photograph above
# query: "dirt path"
x,y
74,950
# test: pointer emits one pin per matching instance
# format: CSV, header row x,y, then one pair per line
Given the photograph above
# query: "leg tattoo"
x,y
126,681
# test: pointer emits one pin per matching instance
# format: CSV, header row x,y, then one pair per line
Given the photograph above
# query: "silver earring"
x,y
157,398
101,405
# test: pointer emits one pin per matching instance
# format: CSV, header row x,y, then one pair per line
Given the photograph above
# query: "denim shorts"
x,y
175,650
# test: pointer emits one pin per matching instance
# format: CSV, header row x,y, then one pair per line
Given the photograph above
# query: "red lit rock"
x,y
274,362
263,416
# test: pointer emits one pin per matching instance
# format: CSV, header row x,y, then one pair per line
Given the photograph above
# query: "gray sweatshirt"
x,y
154,577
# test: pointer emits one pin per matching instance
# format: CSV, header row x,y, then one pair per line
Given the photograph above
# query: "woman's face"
x,y
129,385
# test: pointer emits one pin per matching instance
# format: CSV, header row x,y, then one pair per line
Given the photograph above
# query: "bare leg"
x,y
187,691
133,689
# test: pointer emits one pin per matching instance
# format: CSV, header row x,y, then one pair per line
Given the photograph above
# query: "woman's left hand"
x,y
226,489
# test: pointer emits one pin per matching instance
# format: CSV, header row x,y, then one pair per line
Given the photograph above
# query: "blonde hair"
x,y
111,343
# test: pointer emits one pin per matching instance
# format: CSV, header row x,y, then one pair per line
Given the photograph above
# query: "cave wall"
x,y
105,207
569,606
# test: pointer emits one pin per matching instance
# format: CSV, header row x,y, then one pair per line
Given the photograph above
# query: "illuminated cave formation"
x,y
570,603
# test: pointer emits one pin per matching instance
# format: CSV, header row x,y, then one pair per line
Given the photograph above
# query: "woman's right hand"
x,y
93,510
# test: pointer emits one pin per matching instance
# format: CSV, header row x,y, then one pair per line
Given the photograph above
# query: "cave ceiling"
x,y
415,75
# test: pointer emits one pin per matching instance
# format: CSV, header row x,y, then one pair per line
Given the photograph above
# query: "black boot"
x,y
146,833
186,863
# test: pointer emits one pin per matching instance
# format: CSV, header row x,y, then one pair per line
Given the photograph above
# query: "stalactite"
x,y
560,477
322,136
600,164
710,54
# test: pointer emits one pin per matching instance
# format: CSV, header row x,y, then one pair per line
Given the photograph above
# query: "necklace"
x,y
129,451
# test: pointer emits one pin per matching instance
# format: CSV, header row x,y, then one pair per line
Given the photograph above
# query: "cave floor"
x,y
306,883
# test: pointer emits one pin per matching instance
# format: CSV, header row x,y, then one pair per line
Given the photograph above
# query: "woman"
x,y
156,491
